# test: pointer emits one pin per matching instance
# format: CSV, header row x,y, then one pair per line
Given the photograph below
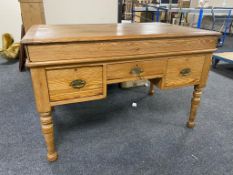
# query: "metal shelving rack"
x,y
156,9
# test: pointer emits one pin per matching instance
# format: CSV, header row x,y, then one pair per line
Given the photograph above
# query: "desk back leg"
x,y
194,105
152,88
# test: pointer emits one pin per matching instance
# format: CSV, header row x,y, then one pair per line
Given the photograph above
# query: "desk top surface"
x,y
94,32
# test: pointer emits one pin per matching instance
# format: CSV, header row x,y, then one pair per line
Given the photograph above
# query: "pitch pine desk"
x,y
74,63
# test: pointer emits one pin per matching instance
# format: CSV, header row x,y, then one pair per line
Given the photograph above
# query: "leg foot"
x,y
190,124
48,132
52,157
194,105
152,89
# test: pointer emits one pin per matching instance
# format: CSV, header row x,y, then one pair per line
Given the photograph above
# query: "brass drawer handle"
x,y
185,71
78,84
136,71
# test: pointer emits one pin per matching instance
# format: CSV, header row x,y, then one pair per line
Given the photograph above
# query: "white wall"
x,y
80,11
10,19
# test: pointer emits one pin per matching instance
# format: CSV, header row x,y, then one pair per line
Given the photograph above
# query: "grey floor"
x,y
109,137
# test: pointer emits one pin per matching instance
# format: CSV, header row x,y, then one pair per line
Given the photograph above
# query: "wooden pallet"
x,y
224,56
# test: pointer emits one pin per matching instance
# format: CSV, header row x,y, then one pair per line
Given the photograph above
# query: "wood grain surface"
x,y
174,78
59,82
96,32
32,12
123,70
100,50
40,87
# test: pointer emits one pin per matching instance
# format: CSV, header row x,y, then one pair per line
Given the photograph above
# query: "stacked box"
x,y
184,3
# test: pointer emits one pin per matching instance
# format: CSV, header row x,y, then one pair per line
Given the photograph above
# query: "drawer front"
x,y
184,70
136,69
109,49
79,82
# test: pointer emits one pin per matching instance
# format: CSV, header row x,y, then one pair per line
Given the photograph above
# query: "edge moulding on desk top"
x,y
104,32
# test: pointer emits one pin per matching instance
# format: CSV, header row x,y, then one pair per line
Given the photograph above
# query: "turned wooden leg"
x,y
194,105
152,89
48,132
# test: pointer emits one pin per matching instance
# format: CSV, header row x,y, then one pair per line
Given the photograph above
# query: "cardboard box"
x,y
184,3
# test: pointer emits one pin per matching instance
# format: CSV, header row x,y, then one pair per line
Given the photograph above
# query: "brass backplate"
x,y
185,71
77,84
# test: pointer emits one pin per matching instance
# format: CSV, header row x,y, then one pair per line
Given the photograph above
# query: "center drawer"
x,y
76,82
135,70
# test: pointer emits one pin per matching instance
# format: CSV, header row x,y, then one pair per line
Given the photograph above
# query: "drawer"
x,y
135,70
184,70
76,82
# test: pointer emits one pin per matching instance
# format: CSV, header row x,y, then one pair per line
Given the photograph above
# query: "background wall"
x,y
10,19
80,11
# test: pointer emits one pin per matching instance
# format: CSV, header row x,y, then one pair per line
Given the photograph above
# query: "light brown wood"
x,y
194,105
205,70
124,70
48,132
174,78
168,56
114,59
59,83
133,79
32,12
100,32
76,100
40,87
44,108
115,48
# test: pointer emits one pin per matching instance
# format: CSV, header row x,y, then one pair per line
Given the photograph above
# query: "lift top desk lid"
x,y
96,32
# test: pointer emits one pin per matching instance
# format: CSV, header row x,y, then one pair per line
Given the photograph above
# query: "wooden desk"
x,y
74,63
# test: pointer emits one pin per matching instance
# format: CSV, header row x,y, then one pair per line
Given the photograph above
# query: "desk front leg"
x,y
48,132
44,109
194,106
